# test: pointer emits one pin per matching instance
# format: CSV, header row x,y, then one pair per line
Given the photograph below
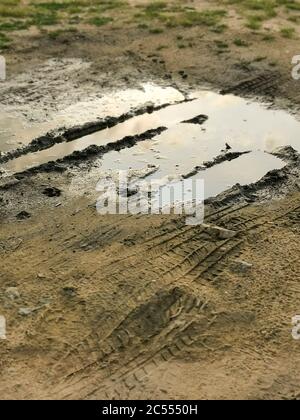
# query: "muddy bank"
x,y
276,184
66,135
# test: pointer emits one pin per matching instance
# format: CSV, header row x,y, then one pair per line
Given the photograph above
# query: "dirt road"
x,y
146,307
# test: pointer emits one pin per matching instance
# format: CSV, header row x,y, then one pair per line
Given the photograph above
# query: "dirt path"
x,y
129,307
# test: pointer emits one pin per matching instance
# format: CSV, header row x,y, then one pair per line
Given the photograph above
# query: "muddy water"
x,y
16,131
242,124
12,131
246,169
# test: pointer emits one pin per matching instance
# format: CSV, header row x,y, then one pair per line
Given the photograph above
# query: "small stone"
x,y
69,291
219,232
26,311
241,266
12,293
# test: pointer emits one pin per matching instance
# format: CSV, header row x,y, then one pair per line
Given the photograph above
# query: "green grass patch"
x,y
268,37
257,11
61,32
15,11
219,29
288,32
254,22
44,19
14,25
240,42
100,20
155,7
4,41
179,15
221,44
162,47
156,31
210,18
292,5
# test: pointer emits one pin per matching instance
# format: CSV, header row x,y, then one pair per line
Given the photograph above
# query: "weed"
x,y
287,32
100,21
240,42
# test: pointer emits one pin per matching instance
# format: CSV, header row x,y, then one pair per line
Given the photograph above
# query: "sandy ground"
x,y
144,306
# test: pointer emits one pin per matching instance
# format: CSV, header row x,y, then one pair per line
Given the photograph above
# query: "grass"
x,y
53,6
254,22
162,47
190,18
219,29
100,20
240,42
256,12
268,38
156,31
292,5
259,59
179,15
42,19
56,34
155,16
15,15
15,12
4,41
221,44
288,32
155,7
13,25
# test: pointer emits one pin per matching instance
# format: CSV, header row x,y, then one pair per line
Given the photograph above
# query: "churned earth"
x,y
144,306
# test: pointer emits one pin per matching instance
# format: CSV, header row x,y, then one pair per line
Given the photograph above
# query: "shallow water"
x,y
243,124
246,169
17,131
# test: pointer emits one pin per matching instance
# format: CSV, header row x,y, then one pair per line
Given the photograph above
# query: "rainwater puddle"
x,y
240,124
16,131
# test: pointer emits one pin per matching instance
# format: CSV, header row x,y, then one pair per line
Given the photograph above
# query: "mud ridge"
x,y
200,119
90,152
223,157
275,184
263,84
73,133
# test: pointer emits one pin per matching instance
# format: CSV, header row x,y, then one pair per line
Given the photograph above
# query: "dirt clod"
x,y
52,192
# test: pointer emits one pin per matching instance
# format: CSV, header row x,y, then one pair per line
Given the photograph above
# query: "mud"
x,y
77,157
265,84
223,157
184,130
73,133
276,184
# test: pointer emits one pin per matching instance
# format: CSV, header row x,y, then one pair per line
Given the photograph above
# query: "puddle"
x,y
241,124
245,170
16,131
